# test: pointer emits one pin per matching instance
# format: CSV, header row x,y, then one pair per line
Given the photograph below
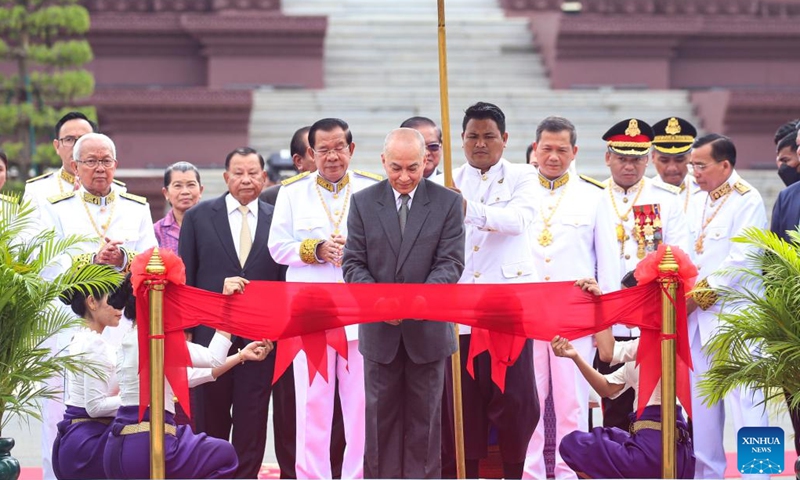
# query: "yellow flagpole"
x,y
157,468
458,417
668,466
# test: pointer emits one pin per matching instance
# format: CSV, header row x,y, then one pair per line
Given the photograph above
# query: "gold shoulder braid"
x,y
704,295
308,250
371,175
295,178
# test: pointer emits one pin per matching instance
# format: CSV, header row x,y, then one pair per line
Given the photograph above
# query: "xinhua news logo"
x,y
761,450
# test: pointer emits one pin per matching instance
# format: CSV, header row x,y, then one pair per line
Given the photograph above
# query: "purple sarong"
x,y
187,455
78,448
614,453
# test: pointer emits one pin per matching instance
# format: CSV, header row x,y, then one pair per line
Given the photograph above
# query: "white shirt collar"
x,y
232,205
397,196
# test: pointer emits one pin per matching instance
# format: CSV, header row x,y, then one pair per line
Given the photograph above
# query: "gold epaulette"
x,y
374,176
61,196
297,177
135,198
40,177
120,183
741,187
666,186
596,183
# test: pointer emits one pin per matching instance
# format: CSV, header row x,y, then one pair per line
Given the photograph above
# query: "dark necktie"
x,y
403,212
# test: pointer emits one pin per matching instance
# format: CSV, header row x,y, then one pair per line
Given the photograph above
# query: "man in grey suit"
x,y
404,230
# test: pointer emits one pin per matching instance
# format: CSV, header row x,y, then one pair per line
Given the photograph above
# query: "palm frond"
x,y
758,341
30,312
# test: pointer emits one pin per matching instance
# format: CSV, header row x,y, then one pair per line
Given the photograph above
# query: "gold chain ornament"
x,y
546,237
621,235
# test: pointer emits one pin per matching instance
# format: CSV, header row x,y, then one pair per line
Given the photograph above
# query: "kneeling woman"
x,y
187,455
91,399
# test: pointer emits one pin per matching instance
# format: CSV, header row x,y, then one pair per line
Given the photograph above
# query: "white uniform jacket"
x,y
732,214
309,207
580,246
674,228
500,213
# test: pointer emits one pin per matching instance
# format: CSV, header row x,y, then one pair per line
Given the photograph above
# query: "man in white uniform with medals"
x,y
308,233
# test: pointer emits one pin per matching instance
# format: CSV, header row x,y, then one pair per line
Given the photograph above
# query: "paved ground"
x,y
27,450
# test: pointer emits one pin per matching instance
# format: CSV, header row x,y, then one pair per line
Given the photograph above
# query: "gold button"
x,y
519,273
336,212
476,248
340,281
484,177
547,278
625,200
552,193
627,256
547,259
476,274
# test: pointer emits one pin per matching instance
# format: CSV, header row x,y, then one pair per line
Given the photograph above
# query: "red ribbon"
x,y
310,317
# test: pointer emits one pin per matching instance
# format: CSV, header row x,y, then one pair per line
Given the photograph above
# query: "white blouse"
x,y
202,357
99,396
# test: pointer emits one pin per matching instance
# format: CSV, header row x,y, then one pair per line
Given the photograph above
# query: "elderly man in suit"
x,y
227,237
404,230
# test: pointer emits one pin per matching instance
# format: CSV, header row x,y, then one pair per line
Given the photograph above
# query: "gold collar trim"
x,y
632,189
720,191
553,184
100,201
67,177
333,187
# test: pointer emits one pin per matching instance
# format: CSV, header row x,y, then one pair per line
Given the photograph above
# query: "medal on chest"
x,y
647,228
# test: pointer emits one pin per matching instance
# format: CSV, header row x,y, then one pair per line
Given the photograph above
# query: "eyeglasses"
x,y
701,167
336,151
433,147
106,162
68,141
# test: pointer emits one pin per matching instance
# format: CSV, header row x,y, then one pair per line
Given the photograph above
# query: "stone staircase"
x,y
381,67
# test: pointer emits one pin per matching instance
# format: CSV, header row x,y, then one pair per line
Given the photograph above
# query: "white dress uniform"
x,y
310,209
500,211
686,188
618,208
39,189
119,216
717,217
569,242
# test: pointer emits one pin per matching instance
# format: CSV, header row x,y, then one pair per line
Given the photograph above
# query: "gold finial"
x,y
155,265
633,128
673,127
668,263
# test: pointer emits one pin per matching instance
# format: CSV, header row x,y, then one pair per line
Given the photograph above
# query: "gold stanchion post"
x,y
668,467
458,417
156,267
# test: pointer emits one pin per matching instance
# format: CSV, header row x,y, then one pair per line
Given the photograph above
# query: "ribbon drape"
x,y
497,314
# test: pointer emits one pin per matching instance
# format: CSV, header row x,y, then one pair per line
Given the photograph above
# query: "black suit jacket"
x,y
270,195
206,247
431,250
786,212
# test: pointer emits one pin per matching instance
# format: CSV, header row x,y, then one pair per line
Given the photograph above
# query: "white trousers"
x,y
708,423
570,402
315,414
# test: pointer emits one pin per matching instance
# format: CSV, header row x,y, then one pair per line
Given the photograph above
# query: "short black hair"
x,y
787,141
72,116
556,124
180,167
416,122
244,151
484,111
789,127
722,147
528,153
329,125
299,142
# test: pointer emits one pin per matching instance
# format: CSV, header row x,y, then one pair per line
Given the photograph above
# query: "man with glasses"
x,y
68,130
643,214
119,224
433,143
722,209
308,235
